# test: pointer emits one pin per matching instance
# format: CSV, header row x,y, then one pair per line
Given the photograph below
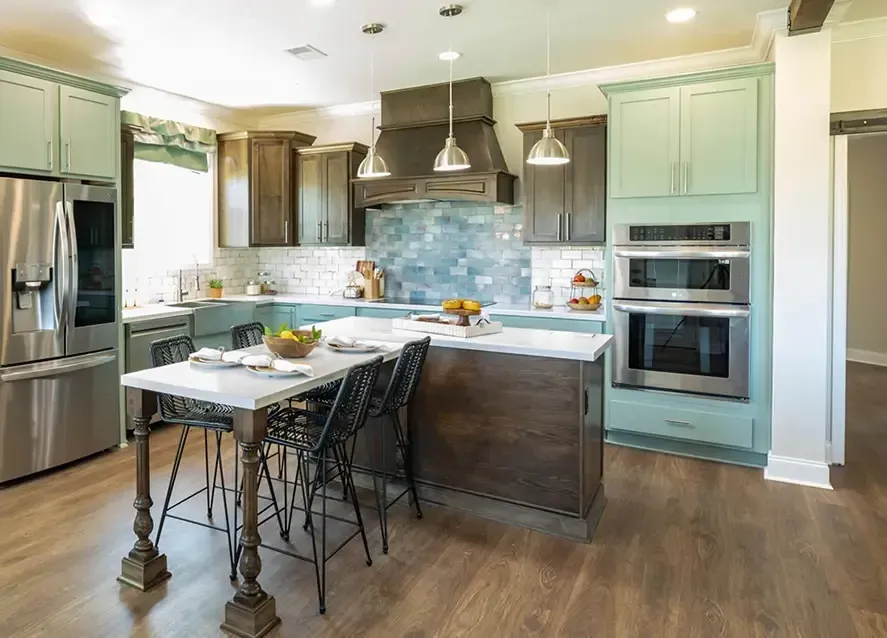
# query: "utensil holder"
x,y
372,288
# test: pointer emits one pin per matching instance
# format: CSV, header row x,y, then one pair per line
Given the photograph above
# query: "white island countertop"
x,y
157,311
577,346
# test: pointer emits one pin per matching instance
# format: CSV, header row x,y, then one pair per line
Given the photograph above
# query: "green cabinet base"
x,y
687,448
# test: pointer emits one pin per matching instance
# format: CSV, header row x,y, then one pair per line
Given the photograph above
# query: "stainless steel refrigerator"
x,y
58,324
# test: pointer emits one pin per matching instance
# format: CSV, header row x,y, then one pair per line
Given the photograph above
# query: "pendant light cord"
x,y
373,93
451,82
548,64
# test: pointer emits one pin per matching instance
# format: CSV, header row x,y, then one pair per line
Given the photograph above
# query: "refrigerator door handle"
x,y
56,368
61,257
74,285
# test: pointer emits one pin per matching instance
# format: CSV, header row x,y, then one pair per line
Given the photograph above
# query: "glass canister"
x,y
543,298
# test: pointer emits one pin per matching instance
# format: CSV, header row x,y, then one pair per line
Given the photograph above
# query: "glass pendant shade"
x,y
373,166
549,151
451,158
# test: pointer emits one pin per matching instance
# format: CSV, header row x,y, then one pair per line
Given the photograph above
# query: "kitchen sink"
x,y
214,317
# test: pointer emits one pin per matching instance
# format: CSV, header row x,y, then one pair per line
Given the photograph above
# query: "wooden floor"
x,y
685,549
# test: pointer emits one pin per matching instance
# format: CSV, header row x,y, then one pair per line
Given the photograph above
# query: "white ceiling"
x,y
866,10
230,52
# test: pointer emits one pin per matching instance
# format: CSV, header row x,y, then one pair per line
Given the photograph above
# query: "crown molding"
x,y
860,30
767,24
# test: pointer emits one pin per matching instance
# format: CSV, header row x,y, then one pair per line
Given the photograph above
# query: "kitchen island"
x,y
507,426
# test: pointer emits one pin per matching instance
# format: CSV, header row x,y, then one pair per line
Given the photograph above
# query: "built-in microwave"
x,y
681,308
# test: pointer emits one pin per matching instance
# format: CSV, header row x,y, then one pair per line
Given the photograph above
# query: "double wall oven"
x,y
681,308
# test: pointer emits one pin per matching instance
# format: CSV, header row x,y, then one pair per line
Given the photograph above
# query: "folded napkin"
x,y
207,354
281,365
342,342
235,356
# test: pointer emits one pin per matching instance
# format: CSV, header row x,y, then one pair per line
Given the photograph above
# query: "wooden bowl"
x,y
584,307
288,348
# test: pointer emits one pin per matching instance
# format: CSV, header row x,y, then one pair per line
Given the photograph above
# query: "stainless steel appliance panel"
x,y
92,307
141,335
31,239
54,412
711,234
683,273
683,347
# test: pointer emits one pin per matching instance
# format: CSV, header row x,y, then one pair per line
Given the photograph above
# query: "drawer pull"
x,y
680,424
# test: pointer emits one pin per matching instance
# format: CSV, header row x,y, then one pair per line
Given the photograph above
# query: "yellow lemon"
x,y
287,334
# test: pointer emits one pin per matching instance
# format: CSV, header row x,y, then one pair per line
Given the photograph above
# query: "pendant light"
x,y
373,165
549,150
451,158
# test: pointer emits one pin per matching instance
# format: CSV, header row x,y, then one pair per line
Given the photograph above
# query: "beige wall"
x,y
859,69
169,106
867,302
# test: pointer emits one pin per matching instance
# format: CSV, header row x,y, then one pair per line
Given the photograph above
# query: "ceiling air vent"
x,y
306,52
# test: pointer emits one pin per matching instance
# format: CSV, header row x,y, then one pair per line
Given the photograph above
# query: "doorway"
x,y
859,327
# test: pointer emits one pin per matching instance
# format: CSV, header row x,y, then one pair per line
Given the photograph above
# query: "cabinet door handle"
x,y
559,234
326,231
286,231
49,154
68,155
319,231
569,226
686,178
680,424
674,166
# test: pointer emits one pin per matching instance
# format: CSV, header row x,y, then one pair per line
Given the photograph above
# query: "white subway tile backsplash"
x,y
556,266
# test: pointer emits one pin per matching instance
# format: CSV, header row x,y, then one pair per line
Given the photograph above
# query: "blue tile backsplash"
x,y
451,249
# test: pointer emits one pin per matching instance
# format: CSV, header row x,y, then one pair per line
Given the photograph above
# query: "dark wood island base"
x,y
514,438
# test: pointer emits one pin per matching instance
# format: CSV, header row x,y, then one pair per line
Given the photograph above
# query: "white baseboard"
x,y
867,356
797,471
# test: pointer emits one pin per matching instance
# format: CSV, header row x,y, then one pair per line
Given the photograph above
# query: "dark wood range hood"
x,y
413,131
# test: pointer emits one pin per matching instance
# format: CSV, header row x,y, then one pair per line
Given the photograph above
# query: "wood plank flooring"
x,y
685,549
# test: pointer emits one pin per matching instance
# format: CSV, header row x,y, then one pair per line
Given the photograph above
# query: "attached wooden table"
x,y
252,612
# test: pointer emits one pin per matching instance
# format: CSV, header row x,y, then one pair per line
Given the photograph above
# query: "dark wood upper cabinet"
x,y
127,181
567,204
257,203
327,212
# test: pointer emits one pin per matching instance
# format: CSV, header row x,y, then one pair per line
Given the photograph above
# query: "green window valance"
x,y
169,142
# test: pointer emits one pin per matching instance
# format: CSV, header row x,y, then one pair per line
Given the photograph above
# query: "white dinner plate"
x,y
206,363
358,348
272,373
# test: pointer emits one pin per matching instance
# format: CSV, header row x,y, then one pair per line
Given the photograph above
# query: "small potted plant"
x,y
216,288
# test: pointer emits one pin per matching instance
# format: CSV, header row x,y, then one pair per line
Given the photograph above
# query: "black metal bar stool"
x,y
210,417
318,440
400,391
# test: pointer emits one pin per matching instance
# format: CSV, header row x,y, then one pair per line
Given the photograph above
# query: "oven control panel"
x,y
680,233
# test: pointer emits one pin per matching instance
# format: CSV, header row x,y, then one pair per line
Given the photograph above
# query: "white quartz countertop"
x,y
156,311
153,311
240,388
523,341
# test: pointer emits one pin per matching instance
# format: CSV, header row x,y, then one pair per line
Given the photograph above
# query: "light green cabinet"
x,y
719,137
645,139
27,123
697,139
89,133
274,316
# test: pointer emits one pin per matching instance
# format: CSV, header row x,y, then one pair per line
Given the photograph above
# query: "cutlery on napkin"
x,y
342,342
281,365
235,356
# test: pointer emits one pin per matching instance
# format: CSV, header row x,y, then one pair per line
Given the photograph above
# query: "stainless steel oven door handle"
x,y
682,253
683,309
55,368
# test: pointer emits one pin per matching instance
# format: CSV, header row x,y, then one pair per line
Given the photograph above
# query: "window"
x,y
173,215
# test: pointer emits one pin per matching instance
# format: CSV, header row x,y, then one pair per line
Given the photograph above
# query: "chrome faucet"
x,y
196,277
181,293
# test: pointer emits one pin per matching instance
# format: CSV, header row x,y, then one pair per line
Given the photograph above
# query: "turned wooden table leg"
x,y
252,613
144,567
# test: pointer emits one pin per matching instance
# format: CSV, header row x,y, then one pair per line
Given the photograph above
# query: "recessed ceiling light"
x,y
446,56
681,14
